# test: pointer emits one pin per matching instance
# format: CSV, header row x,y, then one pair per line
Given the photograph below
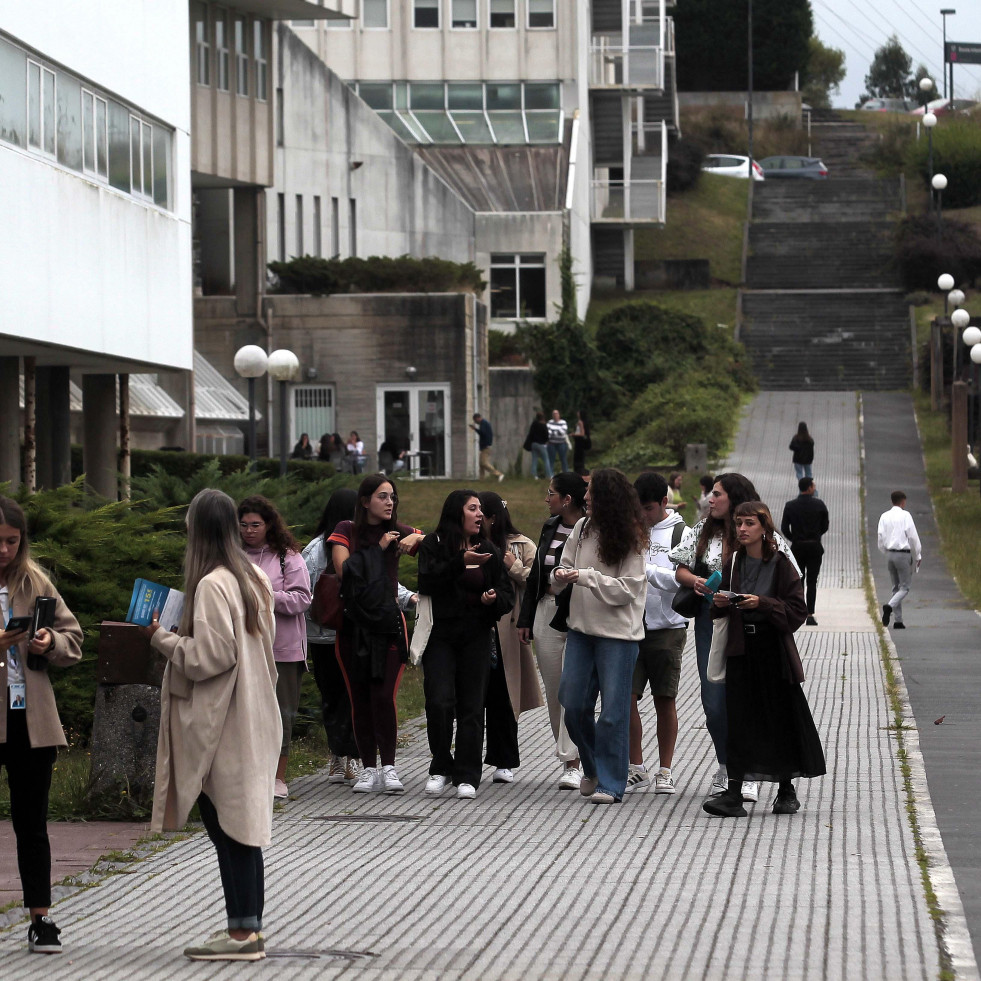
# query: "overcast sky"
x,y
859,27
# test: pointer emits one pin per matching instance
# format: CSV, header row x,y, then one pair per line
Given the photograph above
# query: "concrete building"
x,y
95,259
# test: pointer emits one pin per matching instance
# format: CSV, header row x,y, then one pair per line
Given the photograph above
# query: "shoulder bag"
x,y
716,669
327,607
560,621
686,602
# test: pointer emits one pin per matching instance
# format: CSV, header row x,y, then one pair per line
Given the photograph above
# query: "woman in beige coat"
x,y
30,729
220,728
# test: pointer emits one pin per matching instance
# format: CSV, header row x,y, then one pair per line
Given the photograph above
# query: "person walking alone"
x,y
900,544
558,442
804,522
536,443
802,446
485,440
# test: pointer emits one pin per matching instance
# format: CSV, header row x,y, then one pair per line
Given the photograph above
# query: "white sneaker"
x,y
336,772
663,782
466,791
638,780
751,791
280,790
437,783
571,778
366,782
720,782
390,781
503,775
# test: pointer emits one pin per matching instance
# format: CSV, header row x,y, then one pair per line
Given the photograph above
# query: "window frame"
x,y
202,47
260,64
43,134
474,26
514,17
146,138
222,52
538,27
241,54
375,27
415,12
94,171
519,261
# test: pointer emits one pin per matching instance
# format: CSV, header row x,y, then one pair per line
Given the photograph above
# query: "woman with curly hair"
x,y
771,734
270,545
603,565
707,547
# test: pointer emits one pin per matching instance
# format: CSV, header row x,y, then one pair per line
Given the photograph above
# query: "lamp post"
x,y
960,319
939,182
972,339
929,121
250,362
945,13
284,367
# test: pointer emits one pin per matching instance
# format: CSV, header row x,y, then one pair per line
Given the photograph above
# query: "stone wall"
x,y
513,403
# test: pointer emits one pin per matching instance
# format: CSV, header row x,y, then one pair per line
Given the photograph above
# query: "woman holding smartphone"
x,y
30,729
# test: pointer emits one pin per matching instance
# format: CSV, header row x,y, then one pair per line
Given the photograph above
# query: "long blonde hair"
x,y
23,574
213,542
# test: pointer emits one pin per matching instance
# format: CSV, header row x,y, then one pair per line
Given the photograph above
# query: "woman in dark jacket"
x,y
565,499
536,442
771,734
470,590
802,446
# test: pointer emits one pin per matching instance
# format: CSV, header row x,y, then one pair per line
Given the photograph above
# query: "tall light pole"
x,y
929,121
284,367
945,13
939,182
749,82
250,362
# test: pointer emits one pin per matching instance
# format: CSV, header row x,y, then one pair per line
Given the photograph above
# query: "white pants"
x,y
550,651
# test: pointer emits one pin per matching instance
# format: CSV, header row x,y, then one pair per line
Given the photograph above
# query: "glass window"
x,y
464,13
299,224
542,95
241,57
259,54
301,23
502,13
503,96
508,127
543,127
13,103
517,284
465,95
541,13
401,95
221,49
473,127
41,108
162,140
438,126
202,45
318,250
427,95
425,13
374,13
69,121
119,147
95,135
378,95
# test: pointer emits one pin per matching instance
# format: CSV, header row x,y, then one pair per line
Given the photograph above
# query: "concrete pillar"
x,y
99,435
958,436
54,445
10,421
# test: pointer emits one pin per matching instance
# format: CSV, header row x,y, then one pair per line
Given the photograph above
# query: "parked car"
x,y
946,107
807,168
730,165
887,105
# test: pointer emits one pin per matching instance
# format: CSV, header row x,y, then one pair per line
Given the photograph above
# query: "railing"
x,y
613,65
628,202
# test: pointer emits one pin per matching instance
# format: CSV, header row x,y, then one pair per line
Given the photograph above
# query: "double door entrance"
x,y
413,418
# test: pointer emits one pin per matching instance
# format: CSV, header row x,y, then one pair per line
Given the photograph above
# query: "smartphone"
x,y
736,599
17,624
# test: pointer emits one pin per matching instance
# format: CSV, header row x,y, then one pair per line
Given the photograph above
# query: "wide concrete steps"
x,y
844,147
828,341
848,199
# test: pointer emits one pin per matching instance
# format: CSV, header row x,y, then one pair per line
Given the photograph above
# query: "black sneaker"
x,y
725,806
899,625
811,622
886,614
786,803
42,936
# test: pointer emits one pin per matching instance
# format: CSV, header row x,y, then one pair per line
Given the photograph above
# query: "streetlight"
x,y
250,362
939,183
929,121
945,13
972,338
284,366
960,319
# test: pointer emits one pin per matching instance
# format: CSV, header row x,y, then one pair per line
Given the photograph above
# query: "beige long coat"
x,y
43,722
519,662
220,728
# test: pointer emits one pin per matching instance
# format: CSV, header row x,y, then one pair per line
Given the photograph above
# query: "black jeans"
x,y
502,726
456,665
242,872
335,706
29,779
809,556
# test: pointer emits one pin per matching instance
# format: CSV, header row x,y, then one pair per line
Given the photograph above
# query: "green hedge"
x,y
921,250
956,155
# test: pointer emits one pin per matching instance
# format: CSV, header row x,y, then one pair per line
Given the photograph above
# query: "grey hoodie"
x,y
661,583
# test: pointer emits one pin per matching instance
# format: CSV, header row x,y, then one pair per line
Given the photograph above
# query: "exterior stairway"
x,y
822,308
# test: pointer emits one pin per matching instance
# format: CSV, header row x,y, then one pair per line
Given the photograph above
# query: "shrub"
x,y
956,155
504,348
921,252
376,274
684,167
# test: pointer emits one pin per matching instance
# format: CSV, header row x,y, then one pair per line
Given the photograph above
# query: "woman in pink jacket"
x,y
270,545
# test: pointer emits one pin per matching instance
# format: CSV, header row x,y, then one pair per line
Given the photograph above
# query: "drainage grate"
x,y
365,818
312,955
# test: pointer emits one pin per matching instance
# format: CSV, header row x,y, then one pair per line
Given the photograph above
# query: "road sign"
x,y
959,53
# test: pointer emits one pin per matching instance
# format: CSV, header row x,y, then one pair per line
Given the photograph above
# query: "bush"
x,y
376,274
956,155
684,167
504,348
921,252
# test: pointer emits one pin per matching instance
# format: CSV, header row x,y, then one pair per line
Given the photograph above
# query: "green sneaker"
x,y
222,947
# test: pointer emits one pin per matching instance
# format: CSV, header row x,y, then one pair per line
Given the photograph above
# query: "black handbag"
x,y
686,602
560,621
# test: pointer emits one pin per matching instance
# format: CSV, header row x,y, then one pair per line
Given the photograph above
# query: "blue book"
x,y
149,597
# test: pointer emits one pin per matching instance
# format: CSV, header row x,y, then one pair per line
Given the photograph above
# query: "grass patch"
x,y
714,306
704,223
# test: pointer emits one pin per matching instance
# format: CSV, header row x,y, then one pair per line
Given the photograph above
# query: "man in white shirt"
x,y
900,544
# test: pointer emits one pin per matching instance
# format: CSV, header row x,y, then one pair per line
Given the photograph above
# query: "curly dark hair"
x,y
758,510
615,515
739,490
278,536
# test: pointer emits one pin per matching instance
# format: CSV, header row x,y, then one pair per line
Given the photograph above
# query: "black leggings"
x,y
242,872
29,779
335,705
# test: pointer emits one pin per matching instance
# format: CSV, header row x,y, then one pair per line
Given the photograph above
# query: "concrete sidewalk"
x,y
531,882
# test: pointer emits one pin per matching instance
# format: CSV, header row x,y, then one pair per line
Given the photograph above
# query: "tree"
x,y
890,71
823,75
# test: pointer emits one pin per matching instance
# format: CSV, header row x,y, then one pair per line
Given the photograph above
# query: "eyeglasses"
x,y
251,525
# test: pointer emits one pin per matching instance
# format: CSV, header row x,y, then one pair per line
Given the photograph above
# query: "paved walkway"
x,y
531,882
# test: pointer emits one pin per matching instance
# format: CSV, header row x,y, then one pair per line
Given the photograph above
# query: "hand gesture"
x,y
472,557
488,597
566,575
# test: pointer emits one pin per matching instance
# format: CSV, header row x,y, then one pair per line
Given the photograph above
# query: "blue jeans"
x,y
713,695
558,450
803,470
538,452
592,666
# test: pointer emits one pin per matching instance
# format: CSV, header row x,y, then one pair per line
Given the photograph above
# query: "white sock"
x,y
639,766
665,770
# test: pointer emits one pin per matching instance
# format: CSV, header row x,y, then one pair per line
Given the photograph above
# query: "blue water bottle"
x,y
714,581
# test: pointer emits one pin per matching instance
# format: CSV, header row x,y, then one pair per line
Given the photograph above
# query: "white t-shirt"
x,y
15,670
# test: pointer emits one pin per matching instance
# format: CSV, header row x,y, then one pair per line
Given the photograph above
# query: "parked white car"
x,y
730,165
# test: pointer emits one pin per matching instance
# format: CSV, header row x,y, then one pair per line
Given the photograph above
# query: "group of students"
x,y
594,600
